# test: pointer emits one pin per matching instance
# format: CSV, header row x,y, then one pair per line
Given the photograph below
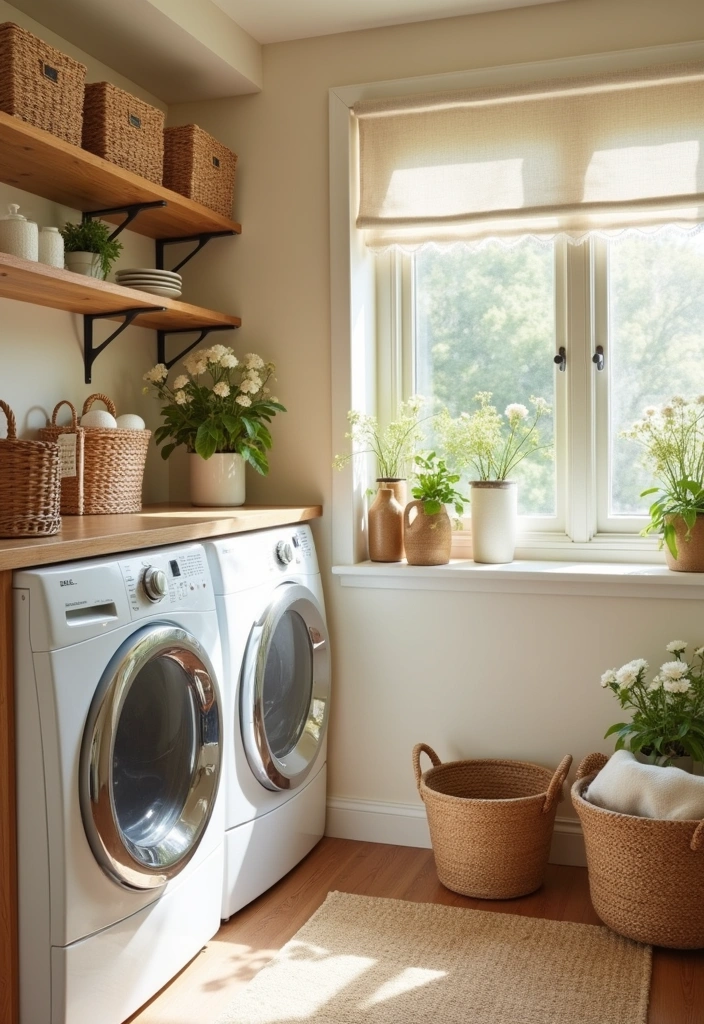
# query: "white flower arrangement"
x,y
231,413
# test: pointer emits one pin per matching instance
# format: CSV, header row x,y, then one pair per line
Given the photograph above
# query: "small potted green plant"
x,y
427,526
88,248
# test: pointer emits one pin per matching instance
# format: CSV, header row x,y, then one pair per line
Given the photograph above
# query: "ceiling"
x,y
275,21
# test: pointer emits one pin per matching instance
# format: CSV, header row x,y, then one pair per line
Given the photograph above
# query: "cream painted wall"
x,y
41,359
469,674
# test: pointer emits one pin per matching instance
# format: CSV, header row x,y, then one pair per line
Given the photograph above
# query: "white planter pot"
x,y
86,263
218,480
494,515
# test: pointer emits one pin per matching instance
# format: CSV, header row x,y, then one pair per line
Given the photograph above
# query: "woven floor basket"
x,y
71,484
40,84
199,167
113,466
646,876
124,130
29,484
491,822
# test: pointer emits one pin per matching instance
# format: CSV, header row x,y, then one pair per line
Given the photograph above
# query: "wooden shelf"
x,y
38,162
61,289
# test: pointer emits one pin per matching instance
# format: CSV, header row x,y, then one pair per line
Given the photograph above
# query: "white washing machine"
x,y
276,695
119,755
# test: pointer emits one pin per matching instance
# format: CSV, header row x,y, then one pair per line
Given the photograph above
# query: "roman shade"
x,y
573,156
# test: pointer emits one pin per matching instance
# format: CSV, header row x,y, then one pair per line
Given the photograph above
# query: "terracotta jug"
x,y
427,538
385,521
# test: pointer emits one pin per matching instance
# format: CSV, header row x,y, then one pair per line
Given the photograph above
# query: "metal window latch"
x,y
598,357
561,358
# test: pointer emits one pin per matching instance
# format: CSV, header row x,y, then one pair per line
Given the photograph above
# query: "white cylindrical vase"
x,y
218,480
86,263
494,516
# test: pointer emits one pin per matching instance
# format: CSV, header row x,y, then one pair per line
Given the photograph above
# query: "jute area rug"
x,y
382,961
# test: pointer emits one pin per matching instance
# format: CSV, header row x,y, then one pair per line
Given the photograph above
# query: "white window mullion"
x,y
581,521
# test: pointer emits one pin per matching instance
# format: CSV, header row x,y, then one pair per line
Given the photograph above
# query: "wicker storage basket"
x,y
113,466
491,822
71,482
29,484
124,130
199,167
39,84
646,876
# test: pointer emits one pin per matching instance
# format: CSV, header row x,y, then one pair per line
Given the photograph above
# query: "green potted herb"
x,y
88,248
427,527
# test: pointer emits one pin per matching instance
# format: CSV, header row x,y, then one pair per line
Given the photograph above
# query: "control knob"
x,y
284,552
155,584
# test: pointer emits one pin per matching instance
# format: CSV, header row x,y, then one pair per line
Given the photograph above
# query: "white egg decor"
x,y
130,421
100,418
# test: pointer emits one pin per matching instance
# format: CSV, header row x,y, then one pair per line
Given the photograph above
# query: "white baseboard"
x,y
371,821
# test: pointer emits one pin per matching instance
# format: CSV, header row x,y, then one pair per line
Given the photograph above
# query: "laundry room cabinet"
x,y
87,537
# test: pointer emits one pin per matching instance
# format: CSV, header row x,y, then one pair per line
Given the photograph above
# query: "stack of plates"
x,y
156,282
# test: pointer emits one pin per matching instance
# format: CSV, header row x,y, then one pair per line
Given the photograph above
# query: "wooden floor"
x,y
242,946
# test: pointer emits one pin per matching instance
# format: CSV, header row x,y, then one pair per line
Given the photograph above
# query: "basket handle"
x,y
698,837
97,397
591,763
419,749
11,421
555,788
74,415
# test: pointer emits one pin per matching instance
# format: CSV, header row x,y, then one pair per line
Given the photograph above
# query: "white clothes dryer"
x,y
119,754
276,695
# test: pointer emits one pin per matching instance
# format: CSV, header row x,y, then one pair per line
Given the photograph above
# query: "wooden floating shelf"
x,y
27,281
38,162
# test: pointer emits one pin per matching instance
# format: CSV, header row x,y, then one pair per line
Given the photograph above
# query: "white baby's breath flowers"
x,y
253,362
676,685
608,677
180,398
650,411
678,401
540,404
180,382
243,400
157,374
515,412
676,646
228,361
249,387
221,389
254,377
674,670
667,411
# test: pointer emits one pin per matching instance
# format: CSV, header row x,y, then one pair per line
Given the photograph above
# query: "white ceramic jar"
x,y
19,236
494,519
51,247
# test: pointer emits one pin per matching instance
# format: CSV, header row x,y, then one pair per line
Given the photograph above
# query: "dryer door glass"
x,y
150,760
285,688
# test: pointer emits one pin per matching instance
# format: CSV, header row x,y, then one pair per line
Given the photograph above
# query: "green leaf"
x,y
670,538
166,450
617,728
206,443
650,490
431,507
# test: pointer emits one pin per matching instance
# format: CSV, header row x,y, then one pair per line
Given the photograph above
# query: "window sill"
x,y
585,579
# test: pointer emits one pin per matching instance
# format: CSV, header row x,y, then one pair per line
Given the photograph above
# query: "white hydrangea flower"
x,y
180,382
196,364
676,646
677,685
253,362
157,374
216,353
180,398
254,376
249,387
515,412
228,361
244,400
608,677
674,670
222,389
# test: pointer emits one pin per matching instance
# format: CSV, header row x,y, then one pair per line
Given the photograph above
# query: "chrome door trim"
x,y
148,867
273,772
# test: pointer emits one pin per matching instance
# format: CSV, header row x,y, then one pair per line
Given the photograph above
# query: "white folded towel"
x,y
647,790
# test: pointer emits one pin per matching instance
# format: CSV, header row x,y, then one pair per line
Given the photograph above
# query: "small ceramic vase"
x,y
86,263
427,538
218,480
385,521
51,247
690,553
19,236
494,518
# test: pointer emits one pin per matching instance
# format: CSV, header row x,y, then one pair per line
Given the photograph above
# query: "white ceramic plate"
x,y
148,280
148,272
169,293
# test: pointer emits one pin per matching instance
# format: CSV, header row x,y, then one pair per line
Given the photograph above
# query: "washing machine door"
x,y
285,688
151,757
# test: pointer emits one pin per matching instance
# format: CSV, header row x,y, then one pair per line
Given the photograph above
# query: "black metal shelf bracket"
x,y
91,352
161,337
131,210
201,239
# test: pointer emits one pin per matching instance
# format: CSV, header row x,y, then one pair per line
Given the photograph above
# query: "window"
x,y
493,317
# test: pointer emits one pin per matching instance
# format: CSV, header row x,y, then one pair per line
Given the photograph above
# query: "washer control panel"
x,y
170,579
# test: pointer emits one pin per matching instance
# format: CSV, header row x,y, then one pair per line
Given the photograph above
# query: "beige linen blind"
x,y
574,156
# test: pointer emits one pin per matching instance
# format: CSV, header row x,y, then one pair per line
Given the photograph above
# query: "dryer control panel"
x,y
247,560
168,580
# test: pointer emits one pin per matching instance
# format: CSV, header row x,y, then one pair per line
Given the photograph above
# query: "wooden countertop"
x,y
91,536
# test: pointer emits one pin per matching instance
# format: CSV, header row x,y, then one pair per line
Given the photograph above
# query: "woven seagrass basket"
x,y
40,84
74,437
199,167
646,875
29,484
113,466
491,822
124,130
